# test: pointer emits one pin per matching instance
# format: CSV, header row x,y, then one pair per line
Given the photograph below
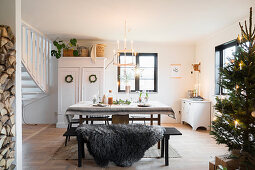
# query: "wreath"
x,y
69,78
92,78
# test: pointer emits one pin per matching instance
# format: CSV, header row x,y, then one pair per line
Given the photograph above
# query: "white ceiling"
x,y
148,20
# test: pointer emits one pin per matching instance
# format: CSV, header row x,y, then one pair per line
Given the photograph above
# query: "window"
x,y
144,77
223,55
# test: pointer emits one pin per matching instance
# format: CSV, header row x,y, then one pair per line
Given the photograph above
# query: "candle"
x,y
133,56
240,66
236,123
125,43
118,44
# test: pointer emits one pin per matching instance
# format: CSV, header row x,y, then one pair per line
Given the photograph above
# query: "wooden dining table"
x,y
88,111
120,113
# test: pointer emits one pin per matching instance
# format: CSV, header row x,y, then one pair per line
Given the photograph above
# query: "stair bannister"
x,y
36,55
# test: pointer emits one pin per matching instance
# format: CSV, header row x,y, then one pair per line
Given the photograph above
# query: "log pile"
x,y
7,97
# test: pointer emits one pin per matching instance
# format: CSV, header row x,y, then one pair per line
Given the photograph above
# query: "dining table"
x,y
120,112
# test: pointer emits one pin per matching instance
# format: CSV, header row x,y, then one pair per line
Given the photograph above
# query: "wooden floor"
x,y
40,142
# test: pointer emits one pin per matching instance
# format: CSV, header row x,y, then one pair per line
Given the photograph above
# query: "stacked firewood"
x,y
7,97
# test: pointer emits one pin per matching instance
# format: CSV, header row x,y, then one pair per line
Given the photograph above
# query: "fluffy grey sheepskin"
x,y
119,143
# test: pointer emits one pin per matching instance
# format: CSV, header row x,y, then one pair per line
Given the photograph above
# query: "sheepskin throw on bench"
x,y
119,143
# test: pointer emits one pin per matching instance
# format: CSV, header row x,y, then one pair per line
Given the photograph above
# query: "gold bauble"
x,y
253,114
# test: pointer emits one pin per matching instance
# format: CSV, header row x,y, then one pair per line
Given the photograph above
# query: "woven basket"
x,y
84,53
67,52
100,50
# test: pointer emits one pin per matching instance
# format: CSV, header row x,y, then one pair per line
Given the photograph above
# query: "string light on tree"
x,y
240,65
239,39
237,87
236,123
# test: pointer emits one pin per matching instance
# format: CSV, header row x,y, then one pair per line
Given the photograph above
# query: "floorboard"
x,y
40,142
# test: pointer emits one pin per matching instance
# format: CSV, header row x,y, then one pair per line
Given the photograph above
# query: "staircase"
x,y
30,90
35,64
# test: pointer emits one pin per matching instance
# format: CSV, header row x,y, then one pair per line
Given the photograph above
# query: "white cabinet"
x,y
196,113
80,89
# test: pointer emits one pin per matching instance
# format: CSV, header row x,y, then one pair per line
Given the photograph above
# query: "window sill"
x,y
136,93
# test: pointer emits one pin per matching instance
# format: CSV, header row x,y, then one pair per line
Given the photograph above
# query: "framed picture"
x,y
175,70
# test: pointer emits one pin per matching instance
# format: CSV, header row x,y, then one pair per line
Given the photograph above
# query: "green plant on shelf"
x,y
60,45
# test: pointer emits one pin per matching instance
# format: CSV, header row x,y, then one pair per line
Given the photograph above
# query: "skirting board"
x,y
61,125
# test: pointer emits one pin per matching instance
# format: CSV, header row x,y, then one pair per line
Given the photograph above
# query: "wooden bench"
x,y
164,143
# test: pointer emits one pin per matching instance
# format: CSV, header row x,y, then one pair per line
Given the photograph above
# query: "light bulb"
x,y
236,123
137,71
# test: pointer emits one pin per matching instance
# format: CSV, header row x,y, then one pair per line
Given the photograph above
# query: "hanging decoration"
x,y
69,79
196,67
92,78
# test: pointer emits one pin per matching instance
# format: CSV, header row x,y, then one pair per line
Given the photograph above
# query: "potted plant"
x,y
126,77
68,49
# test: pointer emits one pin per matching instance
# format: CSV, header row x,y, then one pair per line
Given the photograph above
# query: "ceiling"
x,y
147,20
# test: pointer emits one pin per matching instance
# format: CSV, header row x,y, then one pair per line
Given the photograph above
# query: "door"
x,y
91,89
68,92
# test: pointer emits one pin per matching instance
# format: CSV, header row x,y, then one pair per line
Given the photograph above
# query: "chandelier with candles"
x,y
125,51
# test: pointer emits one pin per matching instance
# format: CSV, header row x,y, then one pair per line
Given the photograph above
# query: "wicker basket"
x,y
100,50
84,52
67,52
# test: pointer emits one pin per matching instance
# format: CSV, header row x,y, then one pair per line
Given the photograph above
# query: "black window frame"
x,y
137,79
219,61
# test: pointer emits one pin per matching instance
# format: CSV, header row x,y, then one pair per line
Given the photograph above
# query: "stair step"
x,y
26,78
32,93
27,99
29,86
24,74
23,69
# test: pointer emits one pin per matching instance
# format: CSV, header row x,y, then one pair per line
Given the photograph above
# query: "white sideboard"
x,y
80,88
196,113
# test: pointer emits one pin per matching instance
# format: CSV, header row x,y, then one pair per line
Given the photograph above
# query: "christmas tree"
x,y
234,124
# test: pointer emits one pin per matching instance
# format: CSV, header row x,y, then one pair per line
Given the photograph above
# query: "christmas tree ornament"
x,y
253,114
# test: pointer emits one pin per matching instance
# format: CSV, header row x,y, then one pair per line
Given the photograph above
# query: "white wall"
x,y
170,90
205,53
7,13
43,111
